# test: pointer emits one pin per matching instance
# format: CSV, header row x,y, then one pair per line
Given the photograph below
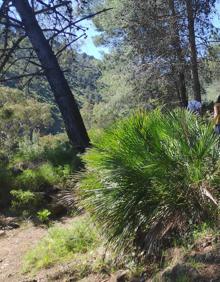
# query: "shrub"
x,y
41,164
30,178
43,215
6,180
23,197
42,176
30,150
148,177
60,151
27,201
54,149
62,244
33,184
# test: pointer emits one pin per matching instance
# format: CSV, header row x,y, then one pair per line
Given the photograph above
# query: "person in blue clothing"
x,y
195,106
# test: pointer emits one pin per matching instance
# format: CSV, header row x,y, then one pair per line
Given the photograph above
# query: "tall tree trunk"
x,y
179,54
75,128
192,42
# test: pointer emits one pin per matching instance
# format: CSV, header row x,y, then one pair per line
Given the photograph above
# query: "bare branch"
x,y
51,8
69,43
3,6
11,51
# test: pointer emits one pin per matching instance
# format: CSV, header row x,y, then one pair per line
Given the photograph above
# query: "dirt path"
x,y
13,245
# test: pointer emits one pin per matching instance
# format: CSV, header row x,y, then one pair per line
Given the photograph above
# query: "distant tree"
x,y
21,115
45,22
166,38
199,29
177,46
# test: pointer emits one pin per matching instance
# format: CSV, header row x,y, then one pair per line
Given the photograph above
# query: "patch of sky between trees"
x,y
87,45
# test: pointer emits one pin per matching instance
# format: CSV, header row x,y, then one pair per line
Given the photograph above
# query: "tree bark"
x,y
192,42
180,57
64,98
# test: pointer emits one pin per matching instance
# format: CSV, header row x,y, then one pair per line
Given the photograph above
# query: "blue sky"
x,y
216,18
88,46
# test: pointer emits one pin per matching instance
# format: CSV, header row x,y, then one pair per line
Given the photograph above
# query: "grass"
x,y
202,231
81,246
62,244
195,264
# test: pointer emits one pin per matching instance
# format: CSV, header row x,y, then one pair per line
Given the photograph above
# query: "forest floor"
x,y
201,263
15,243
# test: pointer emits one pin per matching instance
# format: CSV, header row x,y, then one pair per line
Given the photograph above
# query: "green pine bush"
x,y
149,177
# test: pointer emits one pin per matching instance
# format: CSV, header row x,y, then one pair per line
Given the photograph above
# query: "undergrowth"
x,y
62,244
34,170
83,248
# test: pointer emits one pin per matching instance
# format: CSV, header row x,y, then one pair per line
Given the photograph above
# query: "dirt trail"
x,y
13,245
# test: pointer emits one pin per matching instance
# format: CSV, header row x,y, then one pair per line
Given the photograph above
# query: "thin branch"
x,y
11,51
84,18
49,8
3,6
38,73
69,43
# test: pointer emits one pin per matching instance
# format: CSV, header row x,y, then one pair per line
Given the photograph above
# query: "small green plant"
x,y
195,264
42,176
43,215
30,178
23,197
62,244
201,231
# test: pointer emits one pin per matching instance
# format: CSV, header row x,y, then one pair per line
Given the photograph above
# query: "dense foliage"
x,y
34,171
20,115
32,160
149,176
150,52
